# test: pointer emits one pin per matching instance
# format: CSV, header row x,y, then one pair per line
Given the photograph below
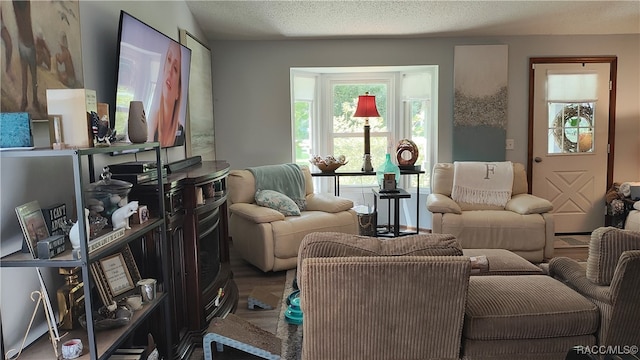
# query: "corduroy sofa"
x,y
524,225
268,239
415,298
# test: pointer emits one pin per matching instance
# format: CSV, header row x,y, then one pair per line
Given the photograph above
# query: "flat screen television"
x,y
152,69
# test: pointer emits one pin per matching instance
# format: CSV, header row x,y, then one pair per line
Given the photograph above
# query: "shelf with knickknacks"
x,y
112,266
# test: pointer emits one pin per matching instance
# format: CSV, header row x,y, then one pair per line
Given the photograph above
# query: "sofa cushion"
x,y
277,201
442,179
504,262
605,247
487,229
518,307
528,204
331,244
328,203
241,186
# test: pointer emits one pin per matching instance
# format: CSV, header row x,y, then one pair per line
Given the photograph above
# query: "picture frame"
x,y
34,227
200,129
115,275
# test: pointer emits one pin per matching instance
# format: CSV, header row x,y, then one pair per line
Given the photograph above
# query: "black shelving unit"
x,y
100,345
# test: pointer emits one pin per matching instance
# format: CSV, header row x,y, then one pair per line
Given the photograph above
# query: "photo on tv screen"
x,y
153,69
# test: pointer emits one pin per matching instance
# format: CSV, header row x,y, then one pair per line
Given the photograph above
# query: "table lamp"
x,y
366,109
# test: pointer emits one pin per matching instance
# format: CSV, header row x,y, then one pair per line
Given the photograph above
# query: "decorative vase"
x,y
137,123
384,173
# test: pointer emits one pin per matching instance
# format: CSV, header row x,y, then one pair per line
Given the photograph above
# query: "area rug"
x,y
291,335
570,241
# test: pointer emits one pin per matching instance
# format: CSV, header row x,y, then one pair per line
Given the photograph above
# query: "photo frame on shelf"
x,y
34,227
115,275
200,137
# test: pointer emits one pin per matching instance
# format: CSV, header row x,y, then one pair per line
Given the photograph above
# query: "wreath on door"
x,y
570,119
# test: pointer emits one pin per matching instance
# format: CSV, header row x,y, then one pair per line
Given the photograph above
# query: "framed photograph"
x,y
33,225
200,139
115,275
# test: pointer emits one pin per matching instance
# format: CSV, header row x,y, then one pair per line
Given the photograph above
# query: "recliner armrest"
x,y
574,275
439,203
327,203
525,204
256,213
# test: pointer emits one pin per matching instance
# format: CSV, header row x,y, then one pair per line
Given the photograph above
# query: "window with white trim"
x,y
323,103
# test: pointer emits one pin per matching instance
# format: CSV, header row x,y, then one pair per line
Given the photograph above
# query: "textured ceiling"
x,y
279,20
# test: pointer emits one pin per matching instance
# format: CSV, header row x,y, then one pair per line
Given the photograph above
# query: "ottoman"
x,y
525,317
503,262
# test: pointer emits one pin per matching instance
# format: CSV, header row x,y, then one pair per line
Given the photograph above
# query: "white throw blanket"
x,y
482,182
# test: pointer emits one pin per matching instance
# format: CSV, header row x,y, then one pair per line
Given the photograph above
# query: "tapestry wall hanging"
x,y
480,102
41,49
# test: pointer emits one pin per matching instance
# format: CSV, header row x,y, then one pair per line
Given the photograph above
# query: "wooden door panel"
x,y
575,181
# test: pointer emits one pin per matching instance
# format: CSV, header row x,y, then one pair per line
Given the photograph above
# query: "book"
x,y
54,217
33,225
15,130
74,107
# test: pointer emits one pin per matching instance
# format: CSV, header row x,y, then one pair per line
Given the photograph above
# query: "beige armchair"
x,y
524,225
611,280
270,240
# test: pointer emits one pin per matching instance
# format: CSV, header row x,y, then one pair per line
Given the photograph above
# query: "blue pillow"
x,y
277,201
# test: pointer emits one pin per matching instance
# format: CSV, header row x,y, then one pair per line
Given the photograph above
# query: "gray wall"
x,y
251,88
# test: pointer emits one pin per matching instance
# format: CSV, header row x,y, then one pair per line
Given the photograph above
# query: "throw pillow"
x,y
277,201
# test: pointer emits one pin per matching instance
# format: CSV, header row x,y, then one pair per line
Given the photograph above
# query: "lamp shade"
x,y
366,106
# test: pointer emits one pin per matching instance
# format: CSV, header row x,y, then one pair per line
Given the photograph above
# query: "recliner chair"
x,y
270,240
524,225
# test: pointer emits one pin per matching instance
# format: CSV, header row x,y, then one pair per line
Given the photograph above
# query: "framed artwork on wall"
x,y
41,43
480,102
200,139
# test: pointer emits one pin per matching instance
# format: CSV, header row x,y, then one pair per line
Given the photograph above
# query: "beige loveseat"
x,y
268,239
524,225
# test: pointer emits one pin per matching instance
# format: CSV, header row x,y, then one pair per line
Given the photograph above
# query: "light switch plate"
x,y
510,144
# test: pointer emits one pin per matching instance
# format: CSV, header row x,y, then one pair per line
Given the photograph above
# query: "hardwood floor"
x,y
247,277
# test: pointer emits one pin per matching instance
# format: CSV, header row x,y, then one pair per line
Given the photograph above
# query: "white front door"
x,y
570,142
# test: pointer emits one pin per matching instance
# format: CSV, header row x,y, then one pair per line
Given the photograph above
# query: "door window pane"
x,y
571,128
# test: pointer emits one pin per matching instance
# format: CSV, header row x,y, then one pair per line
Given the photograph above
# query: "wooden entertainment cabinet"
x,y
197,232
